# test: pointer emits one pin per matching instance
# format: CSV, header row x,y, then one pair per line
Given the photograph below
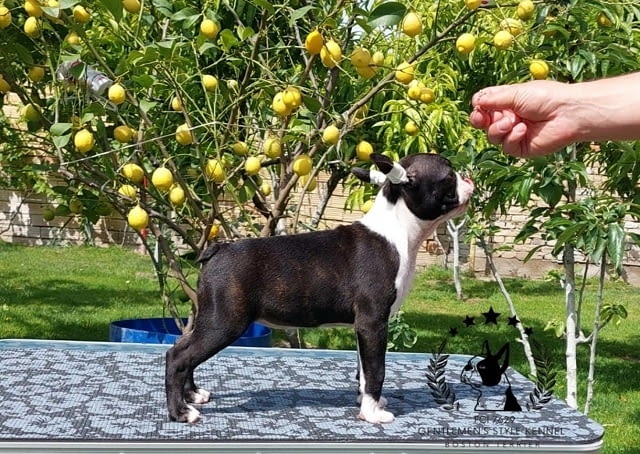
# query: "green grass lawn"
x,y
74,293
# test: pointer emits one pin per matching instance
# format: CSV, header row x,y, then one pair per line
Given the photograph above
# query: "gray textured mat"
x,y
58,392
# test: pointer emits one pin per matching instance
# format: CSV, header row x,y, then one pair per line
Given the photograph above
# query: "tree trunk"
x,y
571,326
594,335
524,338
454,232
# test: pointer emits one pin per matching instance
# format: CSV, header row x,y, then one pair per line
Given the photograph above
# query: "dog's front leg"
x,y
372,345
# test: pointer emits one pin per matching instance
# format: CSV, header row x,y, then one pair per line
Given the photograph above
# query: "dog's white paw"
x,y
201,396
372,410
193,415
381,403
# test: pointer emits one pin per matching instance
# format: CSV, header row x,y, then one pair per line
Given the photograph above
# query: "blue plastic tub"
x,y
165,331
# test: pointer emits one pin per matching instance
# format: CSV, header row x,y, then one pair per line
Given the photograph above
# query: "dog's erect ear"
x,y
395,173
505,350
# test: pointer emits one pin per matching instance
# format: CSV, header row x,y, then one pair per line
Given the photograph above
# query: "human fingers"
x,y
479,118
495,98
514,142
502,125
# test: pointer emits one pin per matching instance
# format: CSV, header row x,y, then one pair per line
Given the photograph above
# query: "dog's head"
x,y
427,183
486,369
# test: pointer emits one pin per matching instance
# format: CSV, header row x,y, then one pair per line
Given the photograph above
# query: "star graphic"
x,y
491,316
453,332
513,321
528,331
468,321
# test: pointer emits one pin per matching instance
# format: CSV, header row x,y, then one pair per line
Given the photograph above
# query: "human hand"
x,y
529,119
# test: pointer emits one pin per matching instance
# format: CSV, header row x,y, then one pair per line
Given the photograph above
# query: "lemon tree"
x,y
237,101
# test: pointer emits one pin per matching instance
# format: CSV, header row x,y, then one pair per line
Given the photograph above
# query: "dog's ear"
x,y
505,350
395,173
389,170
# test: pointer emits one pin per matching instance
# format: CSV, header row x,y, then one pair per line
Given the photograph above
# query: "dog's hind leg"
x,y
188,353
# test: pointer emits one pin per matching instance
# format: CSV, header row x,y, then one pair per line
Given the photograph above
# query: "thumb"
x,y
495,98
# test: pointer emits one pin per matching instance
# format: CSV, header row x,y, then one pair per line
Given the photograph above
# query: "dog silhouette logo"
x,y
485,374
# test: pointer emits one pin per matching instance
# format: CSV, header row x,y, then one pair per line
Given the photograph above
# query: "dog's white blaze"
x,y
405,232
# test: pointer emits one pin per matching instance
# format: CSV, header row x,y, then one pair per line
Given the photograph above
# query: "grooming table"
x,y
71,397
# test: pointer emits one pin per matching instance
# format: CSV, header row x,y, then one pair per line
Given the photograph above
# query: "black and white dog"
x,y
356,275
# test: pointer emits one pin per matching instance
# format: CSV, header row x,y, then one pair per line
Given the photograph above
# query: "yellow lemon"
x,y
503,40
5,17
525,9
73,39
81,15
210,82
32,7
32,27
176,104
513,26
414,90
330,54
539,69
30,113
366,206
405,72
184,136
209,28
302,165
360,57
314,42
48,214
138,218
427,95
240,148
472,4
364,150
412,24
292,97
36,73
311,186
331,135
123,134
465,43
4,86
128,191
116,94
411,128
162,178
272,148
603,20
75,206
213,232
83,140
366,72
177,195
214,170
133,172
252,165
278,105
265,189
377,58
132,6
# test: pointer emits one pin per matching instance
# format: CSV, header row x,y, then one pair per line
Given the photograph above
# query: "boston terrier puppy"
x,y
355,275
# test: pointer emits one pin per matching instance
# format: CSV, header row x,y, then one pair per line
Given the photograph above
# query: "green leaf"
x,y
616,244
300,13
185,13
228,39
61,141
114,7
144,80
59,129
266,5
387,14
146,106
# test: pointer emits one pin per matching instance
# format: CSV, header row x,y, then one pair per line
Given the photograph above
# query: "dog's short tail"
x,y
209,252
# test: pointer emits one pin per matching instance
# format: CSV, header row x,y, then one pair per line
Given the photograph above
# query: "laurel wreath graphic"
x,y
545,380
436,380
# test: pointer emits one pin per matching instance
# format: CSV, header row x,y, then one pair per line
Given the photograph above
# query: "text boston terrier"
x,y
355,275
